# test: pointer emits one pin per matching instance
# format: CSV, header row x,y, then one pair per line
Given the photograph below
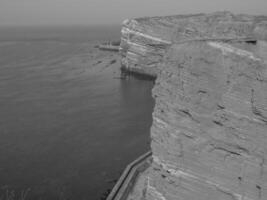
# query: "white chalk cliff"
x,y
209,132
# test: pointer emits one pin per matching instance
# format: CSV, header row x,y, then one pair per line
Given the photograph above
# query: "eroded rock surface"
x,y
209,132
144,41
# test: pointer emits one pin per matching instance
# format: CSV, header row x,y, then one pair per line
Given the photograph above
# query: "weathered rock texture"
x,y
209,132
144,41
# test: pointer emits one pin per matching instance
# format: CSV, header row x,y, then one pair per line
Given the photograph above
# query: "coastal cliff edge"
x,y
209,131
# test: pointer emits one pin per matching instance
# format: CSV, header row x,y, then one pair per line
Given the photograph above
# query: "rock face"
x,y
144,41
209,132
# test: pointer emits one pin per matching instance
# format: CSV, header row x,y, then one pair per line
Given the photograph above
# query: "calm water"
x,y
66,132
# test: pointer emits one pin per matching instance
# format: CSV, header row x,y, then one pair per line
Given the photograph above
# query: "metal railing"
x,y
126,182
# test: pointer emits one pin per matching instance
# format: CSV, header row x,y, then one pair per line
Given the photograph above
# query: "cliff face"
x,y
209,132
144,41
141,50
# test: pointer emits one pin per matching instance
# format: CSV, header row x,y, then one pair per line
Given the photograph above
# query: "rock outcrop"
x,y
144,41
209,132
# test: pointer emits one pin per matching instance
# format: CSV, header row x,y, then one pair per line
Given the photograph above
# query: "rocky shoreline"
x,y
209,131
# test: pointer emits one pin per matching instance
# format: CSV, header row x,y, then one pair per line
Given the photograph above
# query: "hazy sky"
x,y
54,12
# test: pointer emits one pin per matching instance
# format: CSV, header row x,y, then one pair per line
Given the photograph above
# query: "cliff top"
x,y
218,25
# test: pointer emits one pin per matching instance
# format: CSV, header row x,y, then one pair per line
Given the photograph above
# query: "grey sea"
x,y
69,122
